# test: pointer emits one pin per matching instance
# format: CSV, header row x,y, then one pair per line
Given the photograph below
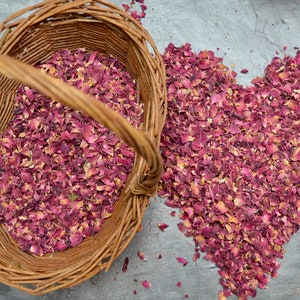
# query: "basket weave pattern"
x,y
33,35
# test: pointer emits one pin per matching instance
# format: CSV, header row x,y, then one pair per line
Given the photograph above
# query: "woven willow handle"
x,y
74,98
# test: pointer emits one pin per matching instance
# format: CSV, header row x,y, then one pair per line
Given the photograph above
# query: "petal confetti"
x,y
60,171
232,163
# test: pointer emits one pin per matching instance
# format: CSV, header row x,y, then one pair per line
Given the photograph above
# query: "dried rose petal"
x,y
173,213
162,226
146,284
141,255
244,71
182,260
125,264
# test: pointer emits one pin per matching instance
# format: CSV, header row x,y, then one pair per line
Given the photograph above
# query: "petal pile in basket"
x,y
61,171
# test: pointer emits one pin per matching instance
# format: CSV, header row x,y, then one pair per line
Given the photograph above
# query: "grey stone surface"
x,y
247,34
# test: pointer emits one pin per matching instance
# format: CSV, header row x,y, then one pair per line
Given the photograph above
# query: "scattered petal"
x,y
146,284
141,255
162,226
182,260
125,264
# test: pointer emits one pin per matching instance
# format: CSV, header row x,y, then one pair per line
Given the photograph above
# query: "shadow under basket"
x,y
33,35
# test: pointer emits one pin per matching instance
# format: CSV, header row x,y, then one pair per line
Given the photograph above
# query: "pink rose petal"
x,y
146,284
162,226
182,260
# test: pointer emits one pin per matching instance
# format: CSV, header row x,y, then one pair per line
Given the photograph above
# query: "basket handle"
x,y
74,98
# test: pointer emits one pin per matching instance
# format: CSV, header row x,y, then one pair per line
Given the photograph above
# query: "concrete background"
x,y
248,34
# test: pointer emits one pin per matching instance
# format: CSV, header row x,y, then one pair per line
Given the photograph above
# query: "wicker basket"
x,y
34,34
